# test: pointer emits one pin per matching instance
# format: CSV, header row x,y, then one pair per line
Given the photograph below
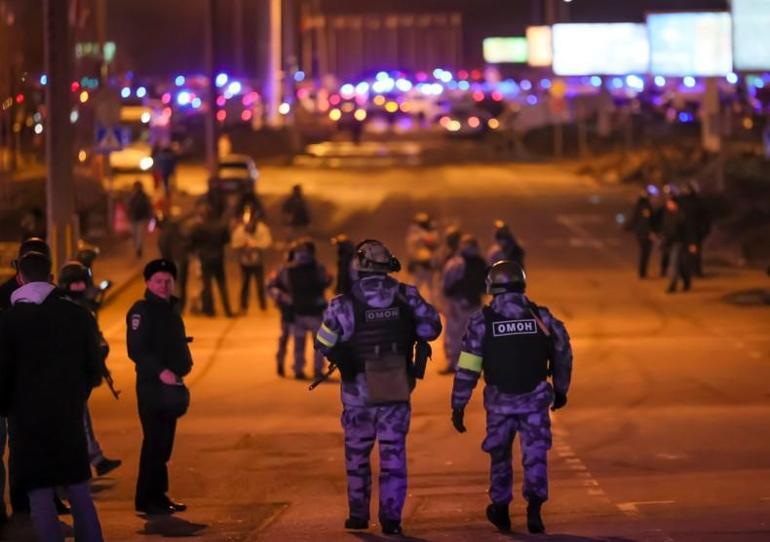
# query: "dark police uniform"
x,y
156,341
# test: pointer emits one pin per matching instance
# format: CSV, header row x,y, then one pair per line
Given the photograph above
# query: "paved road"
x,y
664,437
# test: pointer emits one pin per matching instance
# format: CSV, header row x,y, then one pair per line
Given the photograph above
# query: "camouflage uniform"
x,y
362,423
457,309
508,414
277,293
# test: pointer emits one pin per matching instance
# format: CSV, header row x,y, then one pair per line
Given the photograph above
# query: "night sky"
x,y
162,37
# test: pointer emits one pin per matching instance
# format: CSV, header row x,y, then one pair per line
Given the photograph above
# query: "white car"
x,y
132,157
236,173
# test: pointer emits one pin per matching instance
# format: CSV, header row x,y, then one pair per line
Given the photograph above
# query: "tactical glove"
x,y
559,401
458,414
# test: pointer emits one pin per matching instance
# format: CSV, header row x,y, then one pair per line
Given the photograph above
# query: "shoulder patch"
x,y
136,321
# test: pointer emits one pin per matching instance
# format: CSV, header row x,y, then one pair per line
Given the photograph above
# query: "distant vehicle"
x,y
466,122
135,156
236,174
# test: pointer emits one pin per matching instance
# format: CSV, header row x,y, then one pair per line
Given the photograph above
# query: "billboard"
x,y
539,46
751,38
697,44
502,50
600,49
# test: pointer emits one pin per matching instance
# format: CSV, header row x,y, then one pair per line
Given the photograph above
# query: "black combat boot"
x,y
497,514
534,521
391,527
356,524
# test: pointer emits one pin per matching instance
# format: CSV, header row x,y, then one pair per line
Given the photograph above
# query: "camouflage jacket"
x,y
378,291
513,306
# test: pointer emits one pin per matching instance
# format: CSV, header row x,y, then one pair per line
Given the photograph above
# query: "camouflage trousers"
x,y
300,328
457,315
534,429
389,425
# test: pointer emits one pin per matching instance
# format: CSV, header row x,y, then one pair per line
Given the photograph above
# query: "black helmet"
x,y
452,235
469,245
374,257
506,276
86,253
303,250
33,244
73,271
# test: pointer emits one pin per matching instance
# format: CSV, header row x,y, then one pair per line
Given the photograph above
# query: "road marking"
x,y
632,508
583,238
670,457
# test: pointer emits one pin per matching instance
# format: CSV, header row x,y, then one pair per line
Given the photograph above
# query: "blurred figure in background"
x,y
641,225
421,245
208,240
295,212
251,237
346,275
139,209
681,239
699,219
280,294
505,247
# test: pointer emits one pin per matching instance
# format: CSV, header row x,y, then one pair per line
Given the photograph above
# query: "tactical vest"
x,y
471,286
515,353
389,330
307,290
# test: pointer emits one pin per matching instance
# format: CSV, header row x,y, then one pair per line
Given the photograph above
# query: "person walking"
x,y
139,210
516,345
158,345
463,288
295,212
49,362
370,333
250,239
641,226
506,246
208,240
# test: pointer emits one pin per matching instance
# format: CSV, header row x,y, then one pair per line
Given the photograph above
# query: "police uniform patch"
x,y
514,327
136,321
382,315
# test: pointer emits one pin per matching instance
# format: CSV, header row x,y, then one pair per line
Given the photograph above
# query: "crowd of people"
x,y
678,221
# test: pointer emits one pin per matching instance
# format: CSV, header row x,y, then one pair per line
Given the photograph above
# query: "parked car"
x,y
235,174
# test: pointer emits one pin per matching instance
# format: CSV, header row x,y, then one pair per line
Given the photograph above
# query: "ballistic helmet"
x,y
506,276
374,257
73,271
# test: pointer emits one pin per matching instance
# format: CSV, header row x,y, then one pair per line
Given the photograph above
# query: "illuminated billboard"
x,y
751,34
600,49
539,46
690,43
503,50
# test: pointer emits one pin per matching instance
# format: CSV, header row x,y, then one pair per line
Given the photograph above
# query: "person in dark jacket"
x,y
49,362
641,226
295,212
208,239
279,293
174,243
139,214
301,285
681,239
346,275
699,222
506,246
158,345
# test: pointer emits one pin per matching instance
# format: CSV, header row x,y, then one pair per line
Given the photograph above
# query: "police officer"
x,y
280,294
516,344
158,345
301,284
370,333
505,247
74,278
463,287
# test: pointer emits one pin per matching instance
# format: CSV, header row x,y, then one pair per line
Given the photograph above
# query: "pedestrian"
x,y
74,278
700,222
516,344
251,238
280,294
666,221
208,240
346,250
421,245
295,212
165,164
641,226
174,245
681,238
158,345
463,288
506,246
49,354
139,210
301,285
18,497
371,333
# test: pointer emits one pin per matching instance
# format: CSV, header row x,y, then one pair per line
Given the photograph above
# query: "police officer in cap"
x,y
74,278
370,333
516,345
158,345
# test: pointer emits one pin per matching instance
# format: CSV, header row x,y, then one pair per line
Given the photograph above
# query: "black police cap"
x,y
156,266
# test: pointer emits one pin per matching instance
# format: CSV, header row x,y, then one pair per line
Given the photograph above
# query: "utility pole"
x,y
210,61
272,88
238,37
60,186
